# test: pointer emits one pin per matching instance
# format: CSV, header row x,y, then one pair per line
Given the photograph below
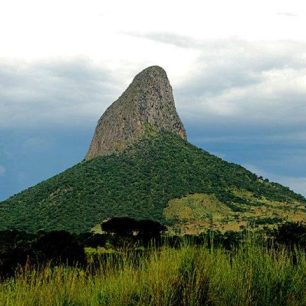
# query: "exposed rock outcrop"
x,y
147,102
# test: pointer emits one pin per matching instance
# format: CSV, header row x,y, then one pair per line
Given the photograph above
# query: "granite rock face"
x,y
147,103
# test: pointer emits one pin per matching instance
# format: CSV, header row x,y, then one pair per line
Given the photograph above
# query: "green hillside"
x,y
140,183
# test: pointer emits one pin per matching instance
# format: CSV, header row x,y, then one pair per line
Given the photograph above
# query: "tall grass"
x,y
190,275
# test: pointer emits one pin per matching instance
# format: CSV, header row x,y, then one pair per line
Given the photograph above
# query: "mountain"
x,y
148,170
148,101
143,182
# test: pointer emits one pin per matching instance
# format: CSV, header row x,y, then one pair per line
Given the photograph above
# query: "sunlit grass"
x,y
190,275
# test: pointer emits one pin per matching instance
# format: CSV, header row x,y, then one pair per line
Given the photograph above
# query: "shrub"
x,y
59,247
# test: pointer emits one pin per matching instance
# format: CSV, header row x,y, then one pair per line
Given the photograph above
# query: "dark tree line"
x,y
19,250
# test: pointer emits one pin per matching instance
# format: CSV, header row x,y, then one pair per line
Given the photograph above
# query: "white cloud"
x,y
35,30
247,83
232,83
91,27
288,14
223,63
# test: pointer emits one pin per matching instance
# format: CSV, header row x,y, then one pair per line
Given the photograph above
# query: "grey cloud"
x,y
288,14
237,83
247,84
226,81
167,38
54,92
246,101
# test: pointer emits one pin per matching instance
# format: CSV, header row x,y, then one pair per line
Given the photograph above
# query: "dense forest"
x,y
138,183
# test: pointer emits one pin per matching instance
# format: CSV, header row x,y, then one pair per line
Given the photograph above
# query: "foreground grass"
x,y
251,275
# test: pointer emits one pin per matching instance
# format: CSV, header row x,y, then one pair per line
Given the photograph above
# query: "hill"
x,y
161,177
140,165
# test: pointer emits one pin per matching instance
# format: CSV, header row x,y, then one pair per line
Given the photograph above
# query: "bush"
x,y
60,247
291,235
146,229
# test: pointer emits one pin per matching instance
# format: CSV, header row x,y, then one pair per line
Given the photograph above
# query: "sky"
x,y
237,68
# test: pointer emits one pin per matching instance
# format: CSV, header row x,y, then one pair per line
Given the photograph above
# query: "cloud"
x,y
256,87
288,14
53,92
166,38
245,101
231,82
241,83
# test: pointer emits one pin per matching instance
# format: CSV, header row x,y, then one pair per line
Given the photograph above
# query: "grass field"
x,y
195,213
189,275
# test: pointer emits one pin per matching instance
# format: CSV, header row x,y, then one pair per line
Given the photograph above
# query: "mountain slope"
x,y
139,183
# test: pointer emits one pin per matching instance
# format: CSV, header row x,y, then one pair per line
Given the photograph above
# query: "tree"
x,y
291,234
124,226
60,247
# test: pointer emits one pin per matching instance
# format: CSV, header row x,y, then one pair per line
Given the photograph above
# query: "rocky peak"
x,y
148,101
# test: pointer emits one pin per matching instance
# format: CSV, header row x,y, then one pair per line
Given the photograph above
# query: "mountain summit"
x,y
147,103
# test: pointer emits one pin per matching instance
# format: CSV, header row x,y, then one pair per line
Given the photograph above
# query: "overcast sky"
x,y
238,70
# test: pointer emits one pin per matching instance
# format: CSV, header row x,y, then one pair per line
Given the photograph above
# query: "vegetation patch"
x,y
196,213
